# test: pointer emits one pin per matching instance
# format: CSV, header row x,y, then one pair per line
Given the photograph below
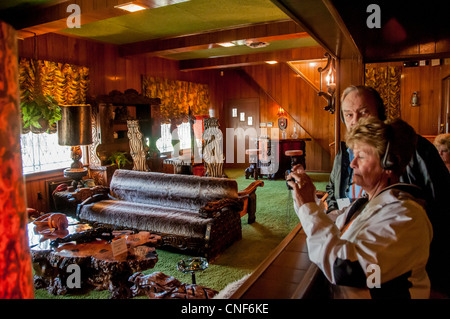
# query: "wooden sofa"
x,y
199,215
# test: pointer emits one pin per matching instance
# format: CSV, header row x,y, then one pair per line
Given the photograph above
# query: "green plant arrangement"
x,y
42,112
119,158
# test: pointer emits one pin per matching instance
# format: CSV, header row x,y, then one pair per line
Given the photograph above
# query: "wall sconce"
x,y
331,83
415,99
281,112
282,122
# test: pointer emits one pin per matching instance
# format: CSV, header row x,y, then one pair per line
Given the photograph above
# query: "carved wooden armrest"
x,y
95,198
80,195
250,189
249,197
212,208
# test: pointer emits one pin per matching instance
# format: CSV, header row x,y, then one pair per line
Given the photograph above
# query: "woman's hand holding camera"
x,y
303,187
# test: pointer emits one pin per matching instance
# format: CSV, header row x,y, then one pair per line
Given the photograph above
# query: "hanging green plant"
x,y
40,112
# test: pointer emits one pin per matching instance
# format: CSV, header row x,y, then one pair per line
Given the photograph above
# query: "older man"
x,y
426,170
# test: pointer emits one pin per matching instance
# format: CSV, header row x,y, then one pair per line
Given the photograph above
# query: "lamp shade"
x,y
75,127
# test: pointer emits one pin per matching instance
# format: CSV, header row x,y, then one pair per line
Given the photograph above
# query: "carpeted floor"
x,y
272,224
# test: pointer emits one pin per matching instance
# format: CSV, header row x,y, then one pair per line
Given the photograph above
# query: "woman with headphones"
x,y
425,170
377,247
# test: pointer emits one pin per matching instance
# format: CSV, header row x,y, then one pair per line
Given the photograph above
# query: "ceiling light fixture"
x,y
138,5
271,62
256,44
227,44
131,7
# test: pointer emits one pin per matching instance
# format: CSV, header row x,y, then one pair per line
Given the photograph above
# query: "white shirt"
x,y
392,232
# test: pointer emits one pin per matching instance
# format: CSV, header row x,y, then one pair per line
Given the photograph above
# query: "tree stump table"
x,y
77,267
161,286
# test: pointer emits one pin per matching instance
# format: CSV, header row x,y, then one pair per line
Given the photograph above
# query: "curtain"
x,y
177,98
386,80
66,83
51,83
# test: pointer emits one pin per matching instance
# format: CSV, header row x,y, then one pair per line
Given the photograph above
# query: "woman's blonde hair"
x,y
370,131
443,139
400,135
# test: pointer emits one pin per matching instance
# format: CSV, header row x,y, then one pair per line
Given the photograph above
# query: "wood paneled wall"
x,y
281,86
427,81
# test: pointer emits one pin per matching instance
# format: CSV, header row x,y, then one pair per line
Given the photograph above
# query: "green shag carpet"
x,y
275,218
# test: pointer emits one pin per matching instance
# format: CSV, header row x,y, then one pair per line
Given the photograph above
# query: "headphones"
x,y
389,160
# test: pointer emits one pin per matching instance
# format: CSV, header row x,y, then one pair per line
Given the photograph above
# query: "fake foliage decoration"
x,y
386,80
177,98
45,85
120,159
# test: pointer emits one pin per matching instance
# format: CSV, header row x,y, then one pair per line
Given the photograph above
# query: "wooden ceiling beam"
x,y
264,32
305,53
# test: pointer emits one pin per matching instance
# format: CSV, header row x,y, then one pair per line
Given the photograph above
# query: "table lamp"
x,y
75,129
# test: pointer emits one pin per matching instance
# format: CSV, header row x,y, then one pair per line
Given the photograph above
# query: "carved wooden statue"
x,y
213,148
137,150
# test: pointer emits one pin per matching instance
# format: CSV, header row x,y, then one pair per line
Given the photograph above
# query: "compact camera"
x,y
289,180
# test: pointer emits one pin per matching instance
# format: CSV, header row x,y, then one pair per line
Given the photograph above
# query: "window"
x,y
164,144
41,152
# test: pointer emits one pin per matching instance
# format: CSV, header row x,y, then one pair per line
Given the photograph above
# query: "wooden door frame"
x,y
444,114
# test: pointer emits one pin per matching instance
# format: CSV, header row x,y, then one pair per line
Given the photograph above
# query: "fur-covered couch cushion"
x,y
171,190
178,221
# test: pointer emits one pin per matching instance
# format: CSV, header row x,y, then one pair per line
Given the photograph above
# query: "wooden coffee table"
x,y
77,267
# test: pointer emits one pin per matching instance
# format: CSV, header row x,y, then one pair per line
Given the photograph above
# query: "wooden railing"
x,y
287,273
